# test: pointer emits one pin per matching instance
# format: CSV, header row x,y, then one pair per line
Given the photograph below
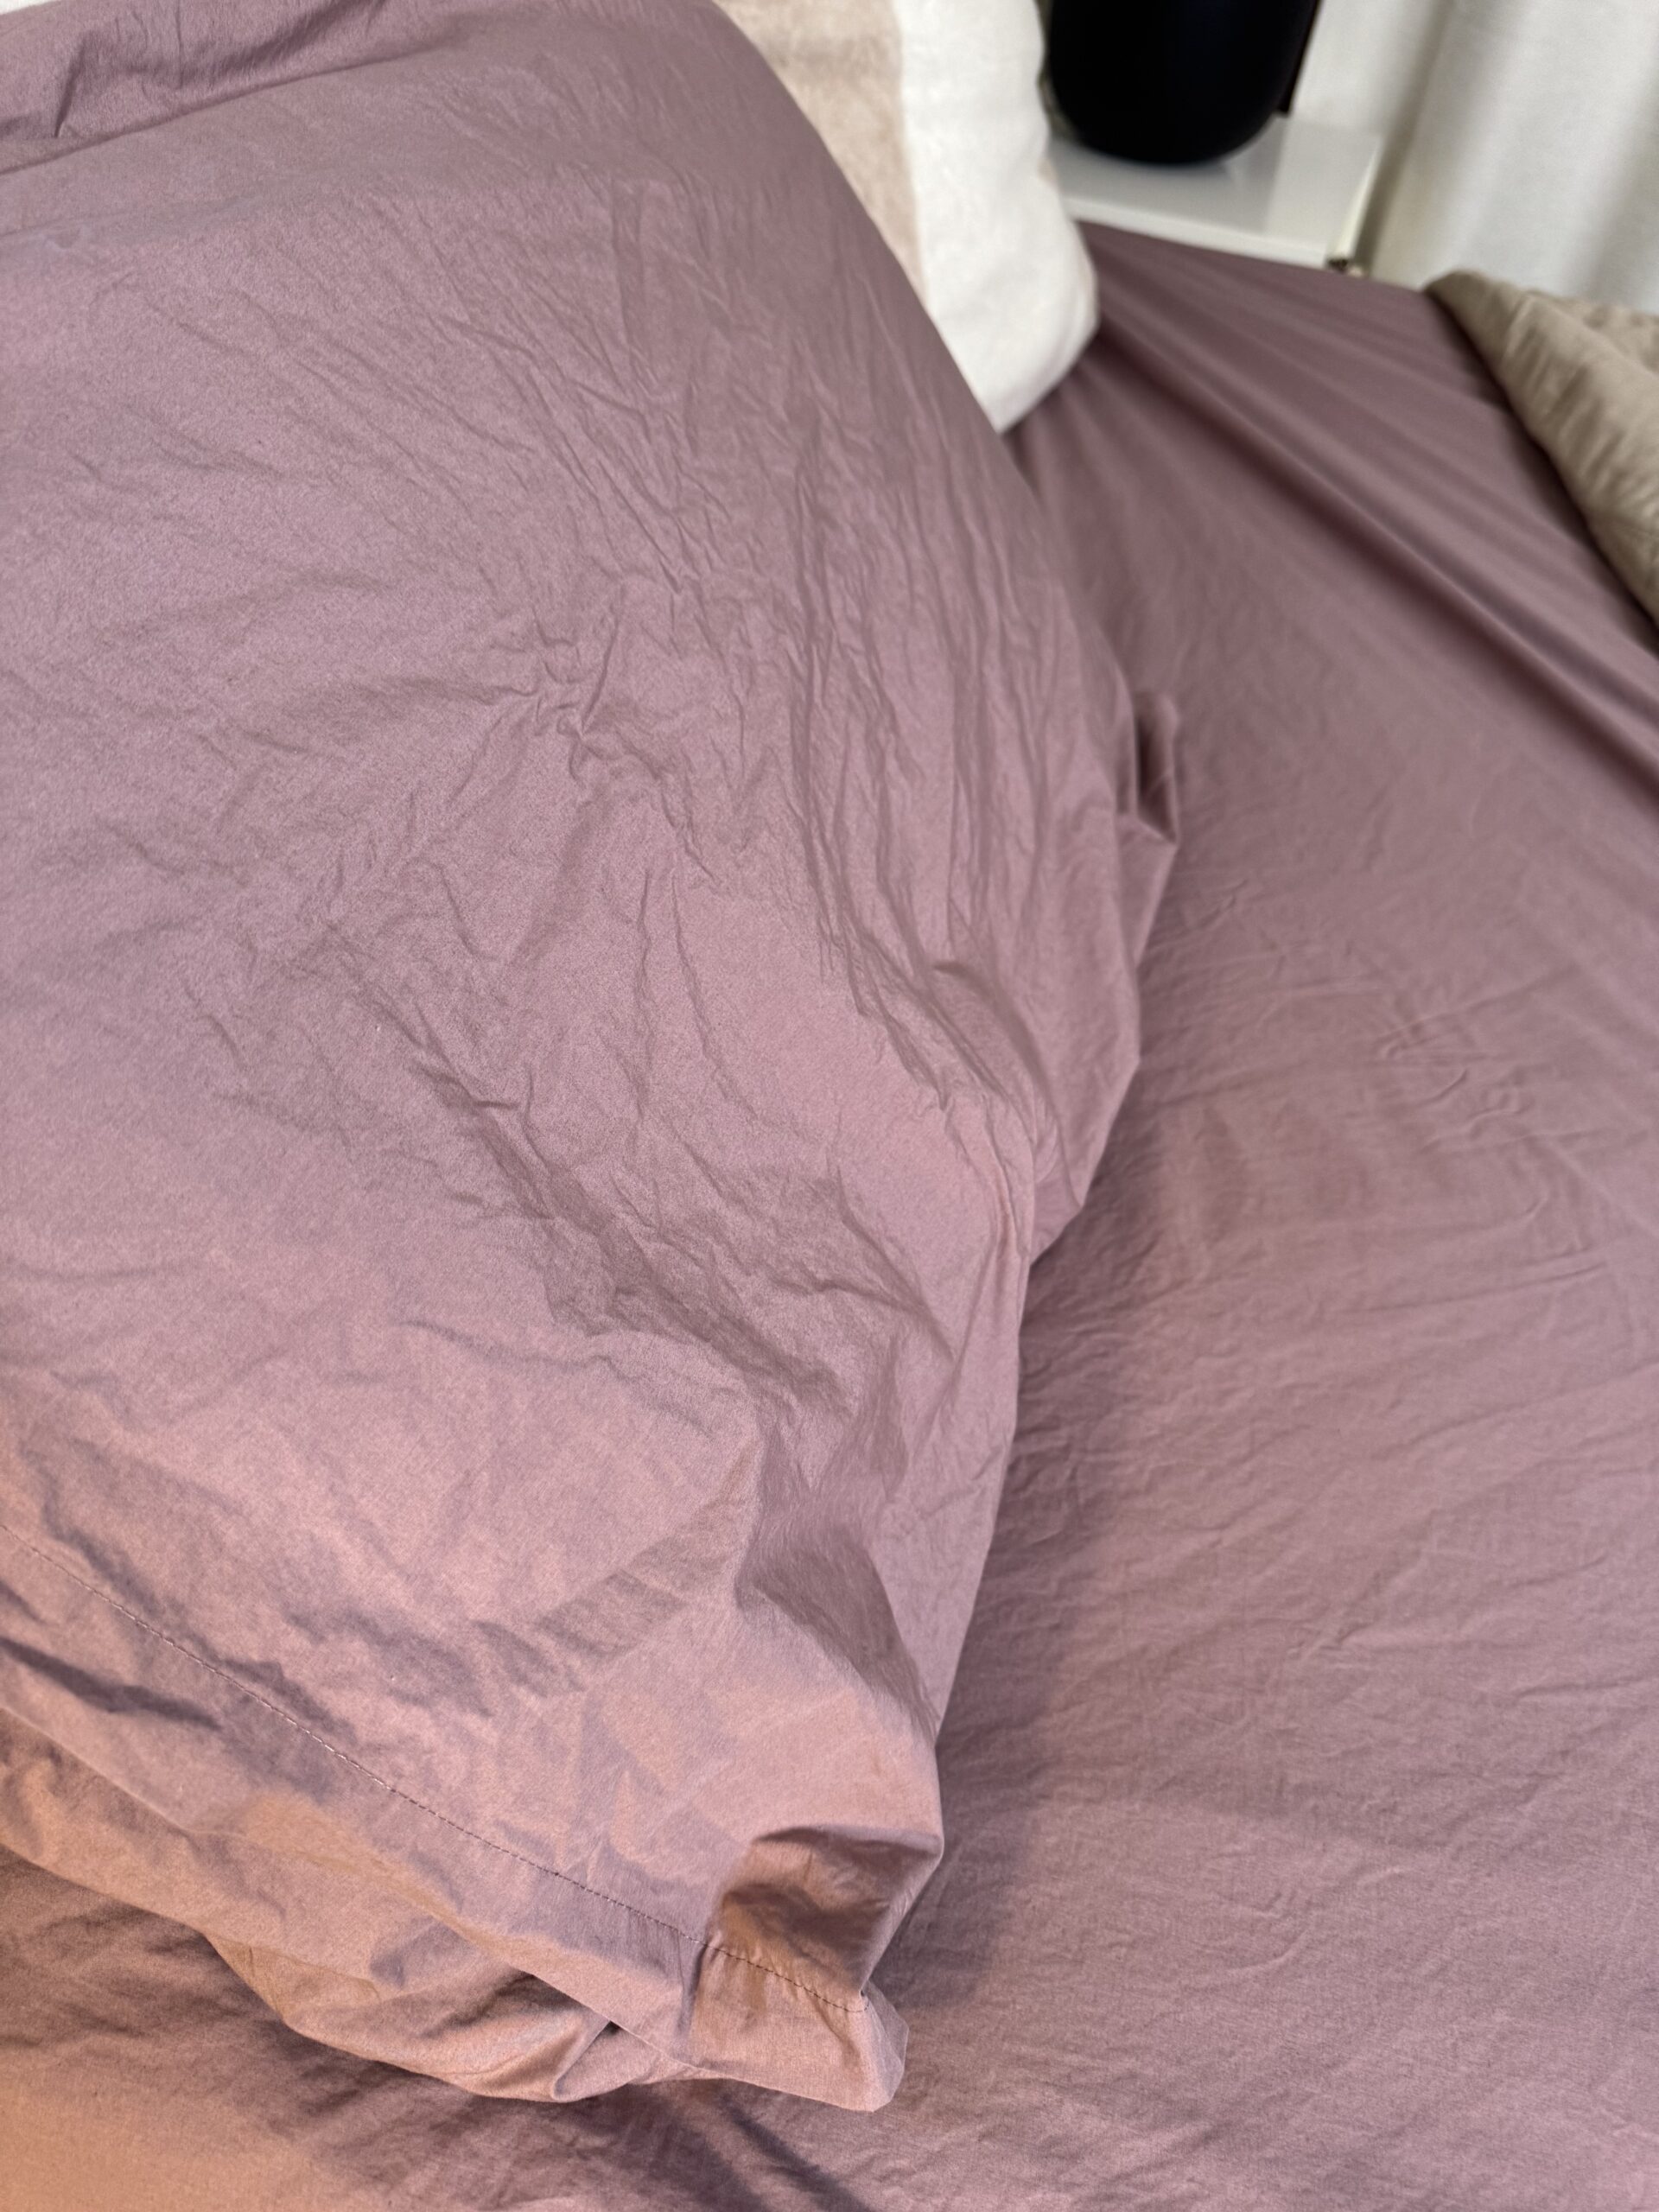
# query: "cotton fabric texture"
x,y
1584,380
1299,1770
570,879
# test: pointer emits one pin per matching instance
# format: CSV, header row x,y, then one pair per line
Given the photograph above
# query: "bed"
x,y
1300,1772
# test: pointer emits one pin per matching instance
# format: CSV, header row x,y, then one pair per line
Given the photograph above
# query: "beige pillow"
x,y
931,108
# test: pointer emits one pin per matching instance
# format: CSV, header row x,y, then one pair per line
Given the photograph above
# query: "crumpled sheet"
x,y
1584,379
1299,1776
571,882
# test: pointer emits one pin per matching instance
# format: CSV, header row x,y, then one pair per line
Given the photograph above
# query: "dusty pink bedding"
x,y
1300,1775
569,875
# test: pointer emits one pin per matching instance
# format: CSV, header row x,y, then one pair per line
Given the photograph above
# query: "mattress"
x,y
1300,1778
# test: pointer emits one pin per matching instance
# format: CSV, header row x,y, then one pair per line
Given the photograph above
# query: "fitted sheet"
x,y
1299,1777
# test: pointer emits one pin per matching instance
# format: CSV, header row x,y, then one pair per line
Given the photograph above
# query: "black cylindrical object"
x,y
1172,81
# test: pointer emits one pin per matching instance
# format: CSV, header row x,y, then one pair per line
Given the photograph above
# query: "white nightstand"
x,y
1298,193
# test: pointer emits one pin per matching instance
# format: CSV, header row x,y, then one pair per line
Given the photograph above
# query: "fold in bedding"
x,y
1301,1776
1584,380
570,883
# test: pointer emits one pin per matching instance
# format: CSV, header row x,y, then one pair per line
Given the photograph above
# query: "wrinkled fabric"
x,y
1584,380
843,66
1299,1774
570,879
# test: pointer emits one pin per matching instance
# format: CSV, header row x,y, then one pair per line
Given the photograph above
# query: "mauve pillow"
x,y
569,887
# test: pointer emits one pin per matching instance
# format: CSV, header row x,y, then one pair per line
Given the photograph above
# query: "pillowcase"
x,y
569,885
932,109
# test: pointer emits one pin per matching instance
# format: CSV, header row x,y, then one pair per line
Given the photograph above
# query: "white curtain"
x,y
1523,136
